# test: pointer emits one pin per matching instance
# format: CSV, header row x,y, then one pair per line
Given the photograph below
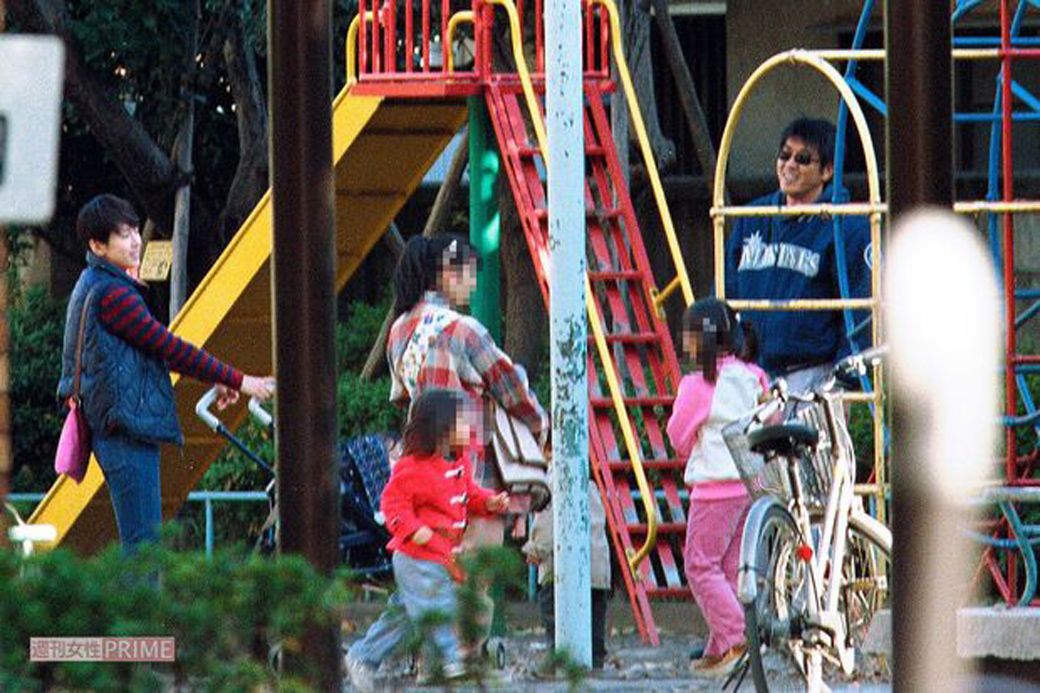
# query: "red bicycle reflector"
x,y
804,552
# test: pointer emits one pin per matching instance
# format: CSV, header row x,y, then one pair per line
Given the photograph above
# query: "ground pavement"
x,y
631,665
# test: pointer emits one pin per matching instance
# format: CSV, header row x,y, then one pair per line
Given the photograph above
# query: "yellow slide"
x,y
382,148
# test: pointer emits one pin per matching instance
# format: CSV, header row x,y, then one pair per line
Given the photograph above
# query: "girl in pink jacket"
x,y
726,386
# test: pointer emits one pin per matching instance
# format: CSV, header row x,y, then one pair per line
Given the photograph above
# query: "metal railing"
x,y
207,498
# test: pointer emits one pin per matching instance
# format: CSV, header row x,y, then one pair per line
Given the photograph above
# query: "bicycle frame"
x,y
823,540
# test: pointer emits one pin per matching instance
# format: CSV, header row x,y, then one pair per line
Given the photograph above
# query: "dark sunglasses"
x,y
802,158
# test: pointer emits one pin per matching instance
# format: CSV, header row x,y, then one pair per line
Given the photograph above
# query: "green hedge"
x,y
228,615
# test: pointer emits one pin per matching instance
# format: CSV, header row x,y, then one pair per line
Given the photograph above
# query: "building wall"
x,y
755,31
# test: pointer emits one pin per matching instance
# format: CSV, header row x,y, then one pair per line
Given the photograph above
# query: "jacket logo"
x,y
757,255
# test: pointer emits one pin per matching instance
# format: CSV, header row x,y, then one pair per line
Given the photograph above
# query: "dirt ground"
x,y
631,664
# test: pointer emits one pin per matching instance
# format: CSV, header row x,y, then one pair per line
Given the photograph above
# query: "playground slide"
x,y
382,147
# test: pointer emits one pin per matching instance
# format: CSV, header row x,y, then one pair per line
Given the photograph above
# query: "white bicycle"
x,y
806,520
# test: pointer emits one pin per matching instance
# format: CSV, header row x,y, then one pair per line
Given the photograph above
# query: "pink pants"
x,y
711,553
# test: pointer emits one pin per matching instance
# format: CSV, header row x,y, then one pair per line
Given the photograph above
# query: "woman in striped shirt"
x,y
126,358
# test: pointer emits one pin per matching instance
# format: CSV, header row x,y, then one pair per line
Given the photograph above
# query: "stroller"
x,y
364,468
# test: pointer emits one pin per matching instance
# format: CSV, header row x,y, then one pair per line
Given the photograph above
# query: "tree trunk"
x,y
637,48
183,151
526,323
376,361
688,99
619,118
148,170
250,180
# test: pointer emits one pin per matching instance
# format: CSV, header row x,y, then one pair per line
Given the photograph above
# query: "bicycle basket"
x,y
760,478
818,469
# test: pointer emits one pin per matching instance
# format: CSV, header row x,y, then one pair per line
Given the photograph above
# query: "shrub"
x,y
226,613
37,324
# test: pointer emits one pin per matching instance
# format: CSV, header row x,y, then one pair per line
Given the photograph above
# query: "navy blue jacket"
x,y
122,389
782,258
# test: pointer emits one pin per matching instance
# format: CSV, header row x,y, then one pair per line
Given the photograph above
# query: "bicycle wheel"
x,y
867,571
864,590
772,620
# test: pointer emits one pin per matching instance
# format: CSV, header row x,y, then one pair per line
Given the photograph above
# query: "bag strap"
x,y
79,344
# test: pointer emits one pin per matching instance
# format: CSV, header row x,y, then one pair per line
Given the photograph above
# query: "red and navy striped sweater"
x,y
124,313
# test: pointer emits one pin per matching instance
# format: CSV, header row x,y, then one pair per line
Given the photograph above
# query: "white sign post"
x,y
32,70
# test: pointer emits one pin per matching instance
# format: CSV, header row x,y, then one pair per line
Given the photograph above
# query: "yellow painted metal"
x,y
639,126
635,556
803,304
984,206
842,54
613,383
456,19
382,149
516,39
825,208
351,46
874,208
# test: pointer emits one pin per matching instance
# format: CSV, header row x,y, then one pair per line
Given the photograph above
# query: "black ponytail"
x,y
422,260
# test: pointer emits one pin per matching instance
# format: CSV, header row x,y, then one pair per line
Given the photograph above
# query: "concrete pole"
x,y
303,284
568,329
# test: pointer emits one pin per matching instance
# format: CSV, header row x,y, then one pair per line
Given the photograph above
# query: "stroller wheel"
x,y
495,649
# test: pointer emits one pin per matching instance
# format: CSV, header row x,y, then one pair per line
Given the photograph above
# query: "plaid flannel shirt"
x,y
463,357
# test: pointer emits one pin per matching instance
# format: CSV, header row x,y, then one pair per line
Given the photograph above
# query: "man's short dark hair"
x,y
817,133
101,216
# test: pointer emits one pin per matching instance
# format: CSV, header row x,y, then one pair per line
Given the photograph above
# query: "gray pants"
x,y
425,590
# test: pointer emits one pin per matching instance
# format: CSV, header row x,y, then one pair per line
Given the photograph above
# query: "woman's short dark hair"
x,y
422,260
101,216
430,418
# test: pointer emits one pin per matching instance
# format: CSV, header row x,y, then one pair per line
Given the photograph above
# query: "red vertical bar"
x,y
1011,394
409,39
426,35
362,39
445,11
391,37
489,21
539,36
520,16
604,53
377,52
589,40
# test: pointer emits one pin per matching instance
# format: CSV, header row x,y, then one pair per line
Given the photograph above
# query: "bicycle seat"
x,y
783,439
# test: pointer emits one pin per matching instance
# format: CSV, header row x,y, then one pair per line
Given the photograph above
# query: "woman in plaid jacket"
x,y
433,345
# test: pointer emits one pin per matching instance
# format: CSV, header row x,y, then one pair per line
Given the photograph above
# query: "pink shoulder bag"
x,y
73,452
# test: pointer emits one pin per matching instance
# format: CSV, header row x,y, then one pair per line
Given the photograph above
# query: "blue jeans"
x,y
131,469
424,589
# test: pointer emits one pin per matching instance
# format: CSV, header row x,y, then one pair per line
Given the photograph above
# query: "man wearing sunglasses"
x,y
793,257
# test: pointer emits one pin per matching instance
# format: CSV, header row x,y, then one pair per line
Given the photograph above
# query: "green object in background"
x,y
484,236
484,218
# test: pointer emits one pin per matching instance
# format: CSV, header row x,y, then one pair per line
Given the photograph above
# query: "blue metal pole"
x,y
209,528
568,329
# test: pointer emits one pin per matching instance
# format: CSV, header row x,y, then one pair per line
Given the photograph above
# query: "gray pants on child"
x,y
424,589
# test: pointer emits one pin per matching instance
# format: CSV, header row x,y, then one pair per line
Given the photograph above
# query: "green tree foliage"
x,y
37,324
229,615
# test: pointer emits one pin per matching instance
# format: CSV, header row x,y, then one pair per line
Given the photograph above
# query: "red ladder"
x,y
640,346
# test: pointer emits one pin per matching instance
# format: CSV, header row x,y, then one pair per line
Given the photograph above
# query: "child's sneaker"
x,y
449,672
720,665
362,676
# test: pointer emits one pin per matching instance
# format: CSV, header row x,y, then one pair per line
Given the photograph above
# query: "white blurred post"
x,y
568,329
942,321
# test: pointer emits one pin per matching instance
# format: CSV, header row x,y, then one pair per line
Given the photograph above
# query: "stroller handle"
x,y
202,410
262,416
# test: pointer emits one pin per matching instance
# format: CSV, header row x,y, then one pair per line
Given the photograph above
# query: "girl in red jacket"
x,y
426,506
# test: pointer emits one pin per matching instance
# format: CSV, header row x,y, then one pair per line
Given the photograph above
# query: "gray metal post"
x,y
568,329
303,277
920,165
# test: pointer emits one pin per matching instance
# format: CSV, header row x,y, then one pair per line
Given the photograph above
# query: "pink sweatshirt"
x,y
700,412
